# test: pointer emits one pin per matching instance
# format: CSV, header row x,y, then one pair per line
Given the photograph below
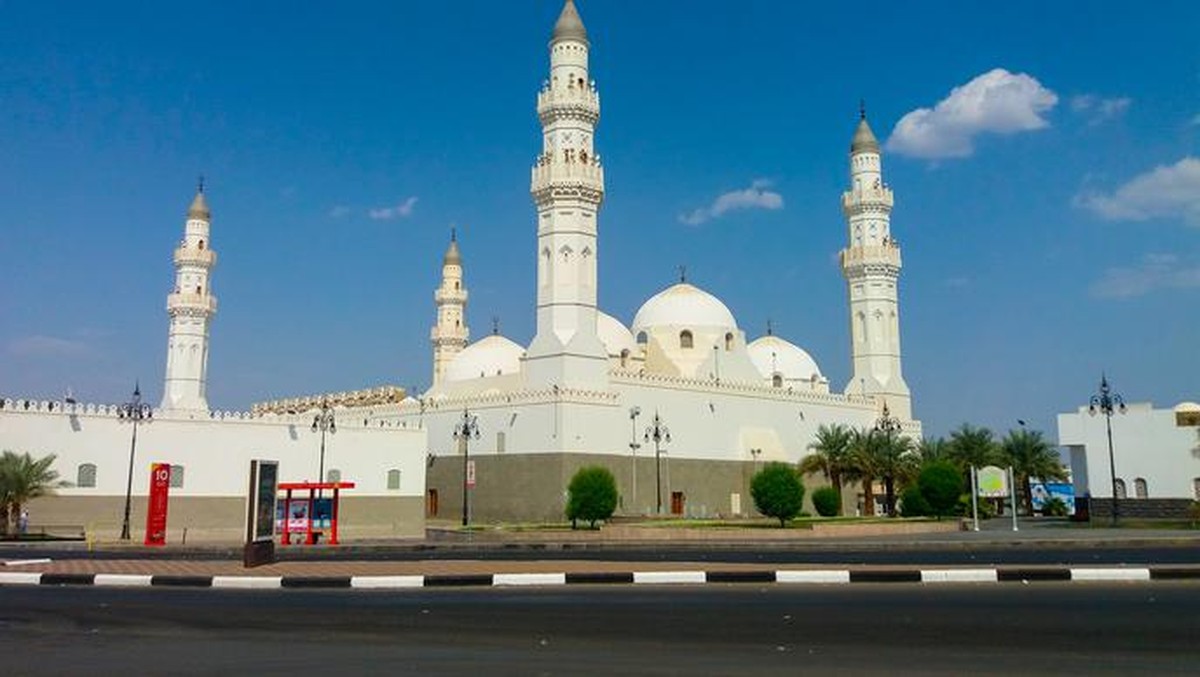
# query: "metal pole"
x,y
658,474
1112,466
129,483
633,447
975,498
466,448
321,466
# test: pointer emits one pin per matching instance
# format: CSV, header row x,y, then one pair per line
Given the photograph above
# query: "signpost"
x,y
993,482
156,512
259,547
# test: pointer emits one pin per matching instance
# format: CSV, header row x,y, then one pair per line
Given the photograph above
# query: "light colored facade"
x,y
191,307
449,334
1156,454
587,386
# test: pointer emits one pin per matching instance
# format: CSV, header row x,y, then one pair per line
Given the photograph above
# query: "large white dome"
x,y
492,356
683,305
613,334
772,355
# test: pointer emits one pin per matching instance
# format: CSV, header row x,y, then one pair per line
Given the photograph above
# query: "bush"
x,y
913,503
591,495
777,492
939,484
827,501
1054,507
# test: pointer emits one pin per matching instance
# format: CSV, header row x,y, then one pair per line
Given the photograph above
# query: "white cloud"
x,y
996,102
402,210
1154,271
1097,109
755,197
48,346
1161,193
339,212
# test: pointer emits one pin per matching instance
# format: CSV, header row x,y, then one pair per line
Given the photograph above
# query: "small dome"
x,y
452,257
614,335
772,355
199,208
492,356
683,305
569,26
864,139
1188,407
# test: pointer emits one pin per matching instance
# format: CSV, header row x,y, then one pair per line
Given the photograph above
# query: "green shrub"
x,y
777,492
591,495
913,503
827,501
1054,507
939,484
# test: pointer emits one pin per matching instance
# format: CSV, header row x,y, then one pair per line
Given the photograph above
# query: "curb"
x,y
508,580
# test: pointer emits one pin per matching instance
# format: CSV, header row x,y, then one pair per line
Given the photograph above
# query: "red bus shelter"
x,y
311,535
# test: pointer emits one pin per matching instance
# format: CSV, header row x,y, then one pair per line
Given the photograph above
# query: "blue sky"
x,y
1043,155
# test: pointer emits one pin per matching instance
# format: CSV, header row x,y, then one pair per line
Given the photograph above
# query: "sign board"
x,y
992,482
156,510
470,474
264,478
1042,492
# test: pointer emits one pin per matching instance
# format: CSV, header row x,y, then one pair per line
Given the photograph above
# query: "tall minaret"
x,y
871,264
449,335
567,187
191,307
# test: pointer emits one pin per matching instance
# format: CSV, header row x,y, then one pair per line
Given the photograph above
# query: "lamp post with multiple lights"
x,y
634,412
464,430
323,422
135,411
1106,402
888,426
659,433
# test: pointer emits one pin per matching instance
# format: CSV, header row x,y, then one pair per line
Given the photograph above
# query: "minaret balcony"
x,y
449,335
196,257
576,102
863,197
589,176
888,254
450,295
204,303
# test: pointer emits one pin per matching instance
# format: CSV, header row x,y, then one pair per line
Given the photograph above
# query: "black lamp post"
x,y
323,422
659,433
634,412
1106,402
134,411
888,425
464,430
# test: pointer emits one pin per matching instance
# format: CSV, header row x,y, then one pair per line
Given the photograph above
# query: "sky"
x,y
1043,157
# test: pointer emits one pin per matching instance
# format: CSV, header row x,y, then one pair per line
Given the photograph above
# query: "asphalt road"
x,y
1040,628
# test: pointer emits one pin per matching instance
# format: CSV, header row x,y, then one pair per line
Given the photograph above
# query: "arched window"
x,y
777,380
1139,488
685,339
728,341
1196,488
641,338
176,477
333,475
393,479
1121,488
201,245
85,476
198,289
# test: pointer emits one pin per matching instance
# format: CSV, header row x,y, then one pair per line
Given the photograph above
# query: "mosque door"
x,y
676,502
431,503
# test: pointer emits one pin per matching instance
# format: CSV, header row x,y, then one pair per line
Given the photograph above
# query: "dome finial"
x,y
862,109
682,273
569,26
495,325
770,327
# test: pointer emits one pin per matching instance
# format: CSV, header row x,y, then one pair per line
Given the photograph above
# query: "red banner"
x,y
156,511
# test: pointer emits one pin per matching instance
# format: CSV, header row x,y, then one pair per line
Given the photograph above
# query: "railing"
x,y
203,257
576,96
590,174
871,254
201,301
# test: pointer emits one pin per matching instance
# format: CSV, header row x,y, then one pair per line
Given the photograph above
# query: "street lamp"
x,y
1106,402
464,430
134,411
888,425
323,422
634,412
658,432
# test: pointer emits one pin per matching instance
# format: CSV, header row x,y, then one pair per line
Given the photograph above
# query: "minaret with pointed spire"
x,y
449,335
567,187
191,307
871,265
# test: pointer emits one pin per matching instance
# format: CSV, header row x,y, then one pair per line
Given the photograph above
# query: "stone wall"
x,y
1142,508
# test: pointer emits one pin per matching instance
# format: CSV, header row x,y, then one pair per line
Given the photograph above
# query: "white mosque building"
x,y
680,405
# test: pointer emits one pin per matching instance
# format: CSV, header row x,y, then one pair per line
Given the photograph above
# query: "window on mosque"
x,y
85,477
685,339
641,337
1120,488
176,477
777,380
1139,488
393,479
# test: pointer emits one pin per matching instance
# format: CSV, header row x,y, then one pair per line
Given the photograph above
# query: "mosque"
x,y
681,405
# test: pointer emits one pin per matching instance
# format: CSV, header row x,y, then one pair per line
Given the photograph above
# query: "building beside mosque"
x,y
682,405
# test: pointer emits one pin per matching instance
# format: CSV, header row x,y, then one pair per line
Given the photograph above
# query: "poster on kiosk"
x,y
156,509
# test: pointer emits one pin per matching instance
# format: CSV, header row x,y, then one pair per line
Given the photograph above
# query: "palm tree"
x,y
897,463
1030,455
972,447
863,465
933,449
831,452
23,479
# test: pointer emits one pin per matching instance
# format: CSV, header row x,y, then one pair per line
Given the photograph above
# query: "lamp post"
x,y
323,422
888,425
634,412
134,411
1106,402
464,430
658,432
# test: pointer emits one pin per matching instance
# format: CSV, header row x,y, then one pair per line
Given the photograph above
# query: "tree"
x,y
972,447
932,449
894,463
913,503
831,455
863,466
1030,455
827,501
591,495
777,492
23,479
940,484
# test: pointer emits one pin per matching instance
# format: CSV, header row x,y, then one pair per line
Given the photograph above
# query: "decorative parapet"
x,y
368,397
553,179
871,254
581,103
501,399
202,303
199,257
755,389
872,198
